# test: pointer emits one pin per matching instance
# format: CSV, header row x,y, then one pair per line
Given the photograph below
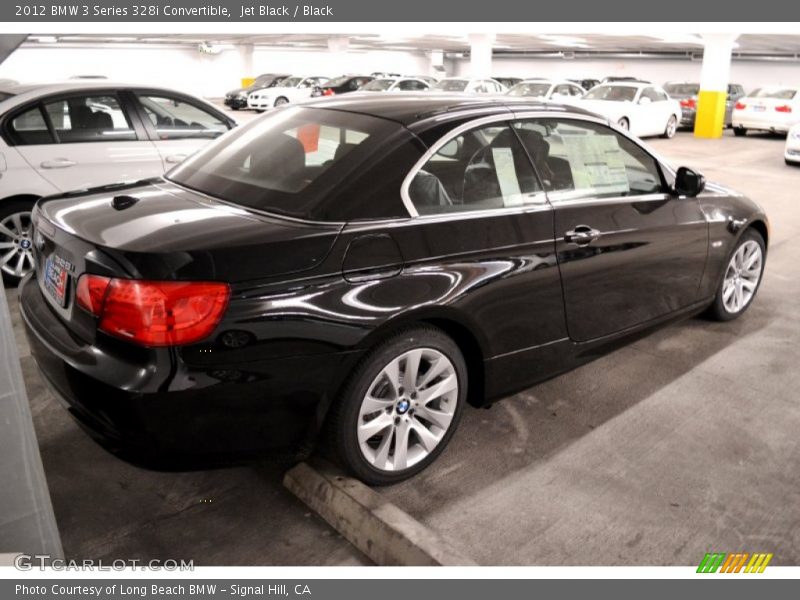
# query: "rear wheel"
x,y
739,131
16,240
672,126
741,279
624,124
400,407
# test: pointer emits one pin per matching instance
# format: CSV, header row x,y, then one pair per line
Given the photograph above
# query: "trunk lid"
x,y
158,230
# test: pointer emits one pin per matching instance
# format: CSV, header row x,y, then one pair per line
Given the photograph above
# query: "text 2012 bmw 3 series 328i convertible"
x,y
366,268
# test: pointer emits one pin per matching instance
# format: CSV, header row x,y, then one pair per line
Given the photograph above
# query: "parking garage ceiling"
x,y
564,45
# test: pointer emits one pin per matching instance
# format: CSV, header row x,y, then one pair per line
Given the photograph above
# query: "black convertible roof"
x,y
409,109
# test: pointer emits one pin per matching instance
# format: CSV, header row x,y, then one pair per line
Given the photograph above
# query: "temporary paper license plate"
x,y
56,278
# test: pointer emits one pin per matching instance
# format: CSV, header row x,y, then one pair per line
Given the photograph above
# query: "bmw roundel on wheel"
x,y
365,270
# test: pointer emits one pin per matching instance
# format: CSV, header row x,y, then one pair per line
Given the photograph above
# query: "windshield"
x,y
780,94
286,162
290,81
263,81
537,90
451,85
378,85
337,81
682,89
614,93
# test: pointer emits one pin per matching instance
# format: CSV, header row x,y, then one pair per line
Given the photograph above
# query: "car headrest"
x,y
284,158
535,144
81,117
102,120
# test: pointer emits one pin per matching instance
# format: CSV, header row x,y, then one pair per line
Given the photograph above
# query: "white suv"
x,y
63,137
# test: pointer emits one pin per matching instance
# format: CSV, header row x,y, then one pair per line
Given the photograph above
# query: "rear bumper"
x,y
171,411
767,122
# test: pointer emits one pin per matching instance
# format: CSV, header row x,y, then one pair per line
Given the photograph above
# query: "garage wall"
x,y
184,68
751,74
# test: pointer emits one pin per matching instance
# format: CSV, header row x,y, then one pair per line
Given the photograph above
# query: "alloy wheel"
x,y
16,244
672,126
408,409
742,277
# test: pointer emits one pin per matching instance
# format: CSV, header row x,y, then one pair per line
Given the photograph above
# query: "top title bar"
x,y
472,11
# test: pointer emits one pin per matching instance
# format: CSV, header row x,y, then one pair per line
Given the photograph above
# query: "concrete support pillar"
x,y
714,79
436,63
480,57
246,52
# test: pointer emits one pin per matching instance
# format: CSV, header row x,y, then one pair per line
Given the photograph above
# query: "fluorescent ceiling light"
x,y
564,40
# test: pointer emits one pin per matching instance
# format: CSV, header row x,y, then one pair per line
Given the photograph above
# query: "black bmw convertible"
x,y
360,270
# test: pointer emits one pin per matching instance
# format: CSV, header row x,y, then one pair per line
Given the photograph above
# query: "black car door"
x,y
481,242
629,251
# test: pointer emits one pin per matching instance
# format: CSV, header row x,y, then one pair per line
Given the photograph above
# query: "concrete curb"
x,y
386,534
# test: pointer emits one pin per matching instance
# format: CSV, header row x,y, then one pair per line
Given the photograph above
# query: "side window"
x,y
650,94
659,96
89,119
485,168
576,91
579,159
29,128
174,118
563,90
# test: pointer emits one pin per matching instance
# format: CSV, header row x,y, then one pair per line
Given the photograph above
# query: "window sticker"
x,y
597,163
507,176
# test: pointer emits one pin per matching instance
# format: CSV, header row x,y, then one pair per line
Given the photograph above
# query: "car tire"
x,y
739,131
624,124
738,284
281,101
234,108
377,393
15,233
671,128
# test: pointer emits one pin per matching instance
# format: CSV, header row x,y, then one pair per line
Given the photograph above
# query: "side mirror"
x,y
688,182
644,100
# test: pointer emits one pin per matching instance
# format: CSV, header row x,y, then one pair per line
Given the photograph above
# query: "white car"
x,y
546,89
62,137
641,108
395,84
775,109
469,85
792,152
292,89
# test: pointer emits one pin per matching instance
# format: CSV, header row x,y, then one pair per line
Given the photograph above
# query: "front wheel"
x,y
624,124
672,126
16,240
400,407
281,101
739,131
741,278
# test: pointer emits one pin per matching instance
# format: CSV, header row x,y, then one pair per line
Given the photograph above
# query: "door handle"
x,y
582,235
175,158
58,163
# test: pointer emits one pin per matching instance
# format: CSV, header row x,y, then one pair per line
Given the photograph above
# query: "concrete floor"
x,y
683,443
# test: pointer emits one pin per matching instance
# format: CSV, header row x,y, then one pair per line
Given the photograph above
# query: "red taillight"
x,y
689,103
328,92
784,109
740,106
91,293
154,313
